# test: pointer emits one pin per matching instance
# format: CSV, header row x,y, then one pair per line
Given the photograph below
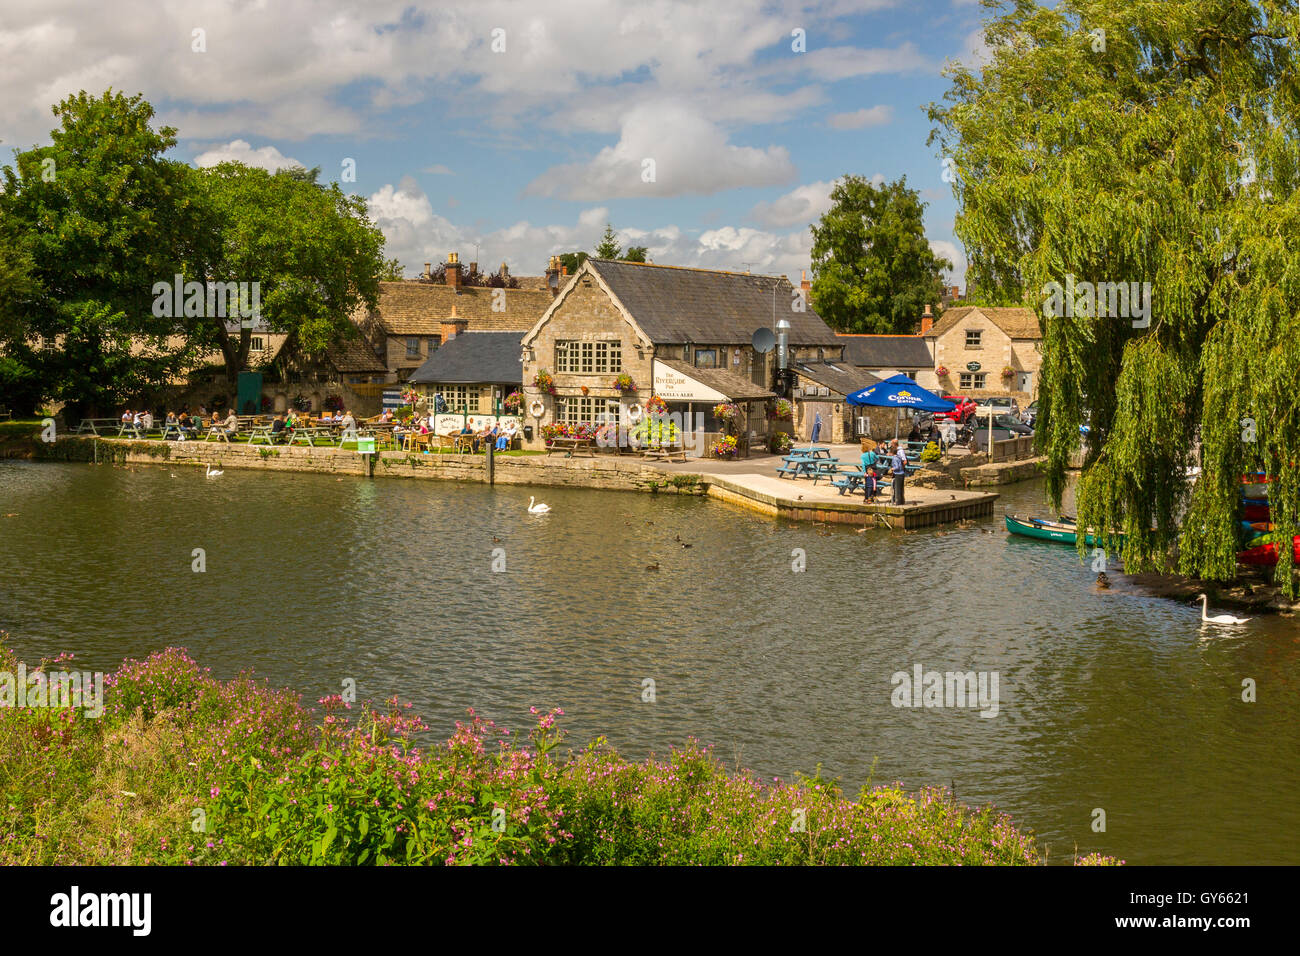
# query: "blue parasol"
x,y
899,391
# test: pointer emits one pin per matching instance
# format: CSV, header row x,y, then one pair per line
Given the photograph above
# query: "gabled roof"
x,y
420,308
887,351
674,305
1018,323
839,377
473,358
732,384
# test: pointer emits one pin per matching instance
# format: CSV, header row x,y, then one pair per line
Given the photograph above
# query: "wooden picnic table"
x,y
310,433
93,425
573,446
811,451
265,432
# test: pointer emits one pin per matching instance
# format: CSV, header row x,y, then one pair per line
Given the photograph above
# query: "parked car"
x,y
1000,405
964,410
1011,423
1030,414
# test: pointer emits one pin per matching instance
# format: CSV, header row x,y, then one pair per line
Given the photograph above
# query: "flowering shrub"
x,y
725,447
563,430
544,381
513,402
781,410
274,782
624,384
931,452
779,442
333,403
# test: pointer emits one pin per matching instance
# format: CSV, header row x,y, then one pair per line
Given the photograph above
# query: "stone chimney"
x,y
428,270
473,268
927,320
553,275
453,271
453,326
505,271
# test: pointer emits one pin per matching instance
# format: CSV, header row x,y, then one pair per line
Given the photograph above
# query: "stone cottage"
x,y
982,351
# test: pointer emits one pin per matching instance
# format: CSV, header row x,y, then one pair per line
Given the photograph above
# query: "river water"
x,y
1112,700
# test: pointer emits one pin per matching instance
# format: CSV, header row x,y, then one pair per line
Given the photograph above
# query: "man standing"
x,y
898,467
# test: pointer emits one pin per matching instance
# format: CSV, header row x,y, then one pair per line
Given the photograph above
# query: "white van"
x,y
1000,404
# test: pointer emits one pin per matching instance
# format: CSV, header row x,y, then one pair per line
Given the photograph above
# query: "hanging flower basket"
x,y
584,390
1008,372
654,405
780,411
624,384
513,402
728,413
941,371
543,381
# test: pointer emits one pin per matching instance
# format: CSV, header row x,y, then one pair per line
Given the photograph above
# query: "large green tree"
x,y
1153,141
102,215
873,269
313,251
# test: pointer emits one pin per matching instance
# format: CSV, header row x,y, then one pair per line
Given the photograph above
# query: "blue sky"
x,y
524,127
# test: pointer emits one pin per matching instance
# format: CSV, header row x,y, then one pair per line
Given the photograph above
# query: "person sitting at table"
x,y
127,417
507,436
486,437
185,423
279,431
386,416
347,421
146,421
915,433
231,425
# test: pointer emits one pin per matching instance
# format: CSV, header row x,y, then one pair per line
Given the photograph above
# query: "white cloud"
x,y
954,254
803,205
240,151
438,169
870,116
690,155
416,234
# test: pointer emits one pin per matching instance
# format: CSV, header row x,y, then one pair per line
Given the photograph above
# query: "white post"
x,y
990,433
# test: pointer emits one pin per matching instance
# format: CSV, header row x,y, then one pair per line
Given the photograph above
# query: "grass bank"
x,y
182,768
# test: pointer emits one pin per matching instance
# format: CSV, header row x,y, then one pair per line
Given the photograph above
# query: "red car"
x,y
964,410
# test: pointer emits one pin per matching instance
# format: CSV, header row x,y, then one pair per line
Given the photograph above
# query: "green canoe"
x,y
1063,530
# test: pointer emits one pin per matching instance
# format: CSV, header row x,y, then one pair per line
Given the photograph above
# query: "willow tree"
x,y
1153,141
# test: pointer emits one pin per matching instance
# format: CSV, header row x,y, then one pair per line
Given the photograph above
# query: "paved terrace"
x,y
753,483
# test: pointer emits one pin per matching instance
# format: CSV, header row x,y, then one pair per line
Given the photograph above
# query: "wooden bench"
x,y
664,453
573,446
5,414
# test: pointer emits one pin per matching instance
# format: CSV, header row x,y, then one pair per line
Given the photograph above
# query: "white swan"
x,y
537,509
1218,618
212,474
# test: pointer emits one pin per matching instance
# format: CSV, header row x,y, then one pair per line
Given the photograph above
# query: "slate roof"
x,y
474,358
420,308
735,386
839,377
1018,323
887,351
675,305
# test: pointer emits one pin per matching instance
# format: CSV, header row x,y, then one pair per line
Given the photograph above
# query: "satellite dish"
x,y
763,340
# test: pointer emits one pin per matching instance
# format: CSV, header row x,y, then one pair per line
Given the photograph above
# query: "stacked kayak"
x,y
1262,541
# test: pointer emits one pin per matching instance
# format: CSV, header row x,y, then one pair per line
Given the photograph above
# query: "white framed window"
x,y
974,338
256,344
588,358
706,358
972,380
582,409
460,398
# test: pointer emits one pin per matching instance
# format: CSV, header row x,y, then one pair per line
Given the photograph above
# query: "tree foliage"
x,y
1150,141
873,269
102,215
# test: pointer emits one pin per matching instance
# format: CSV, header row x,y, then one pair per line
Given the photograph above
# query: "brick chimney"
x,y
453,271
927,320
452,326
473,268
804,284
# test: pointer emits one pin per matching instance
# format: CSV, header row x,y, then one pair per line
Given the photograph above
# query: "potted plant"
x,y
624,384
725,447
543,381
513,402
